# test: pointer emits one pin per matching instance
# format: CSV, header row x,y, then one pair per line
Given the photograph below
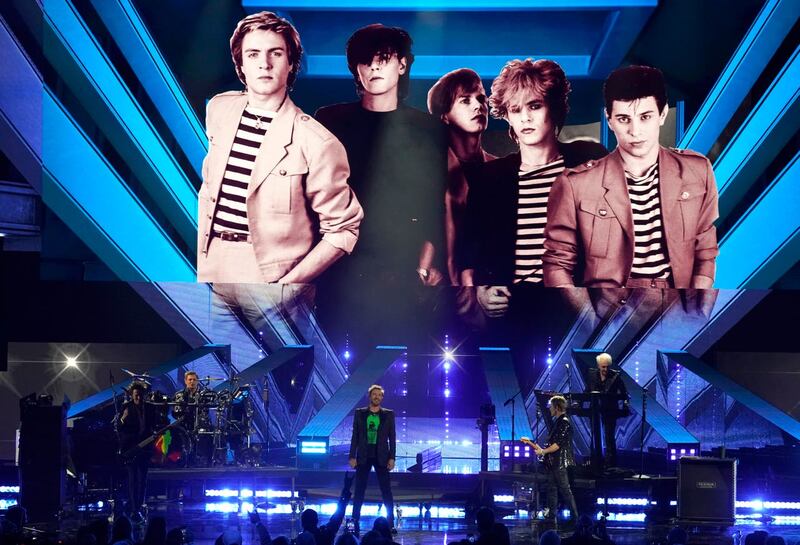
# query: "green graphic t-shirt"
x,y
373,422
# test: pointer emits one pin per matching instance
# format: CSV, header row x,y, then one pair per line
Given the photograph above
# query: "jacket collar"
x,y
273,147
616,191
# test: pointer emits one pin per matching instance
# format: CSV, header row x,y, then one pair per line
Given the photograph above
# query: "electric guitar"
x,y
130,453
545,459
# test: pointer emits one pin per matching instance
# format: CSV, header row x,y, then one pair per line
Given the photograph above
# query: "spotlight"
x,y
347,354
72,361
447,366
447,392
448,355
549,361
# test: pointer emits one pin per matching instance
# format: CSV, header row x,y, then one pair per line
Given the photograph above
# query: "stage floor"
x,y
207,525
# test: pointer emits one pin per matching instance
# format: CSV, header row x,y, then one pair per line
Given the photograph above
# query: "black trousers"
x,y
609,438
362,475
137,480
558,483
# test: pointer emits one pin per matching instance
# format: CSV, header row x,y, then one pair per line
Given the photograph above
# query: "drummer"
x,y
187,400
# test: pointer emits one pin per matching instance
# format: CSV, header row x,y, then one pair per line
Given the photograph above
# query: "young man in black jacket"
x,y
373,444
507,202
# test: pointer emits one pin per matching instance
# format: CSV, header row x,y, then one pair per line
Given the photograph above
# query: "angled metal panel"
x,y
759,406
140,50
501,379
266,365
765,242
659,419
765,35
100,208
103,396
20,109
767,129
621,28
75,54
345,398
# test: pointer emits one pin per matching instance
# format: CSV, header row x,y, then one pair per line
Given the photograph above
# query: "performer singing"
x,y
135,425
373,445
606,380
558,458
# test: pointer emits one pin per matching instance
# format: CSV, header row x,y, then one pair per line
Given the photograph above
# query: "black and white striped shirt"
x,y
649,250
231,211
533,190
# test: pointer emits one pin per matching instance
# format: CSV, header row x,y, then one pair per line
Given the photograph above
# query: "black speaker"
x,y
707,489
42,469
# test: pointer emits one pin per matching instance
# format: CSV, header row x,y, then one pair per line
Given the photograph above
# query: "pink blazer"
x,y
298,191
590,222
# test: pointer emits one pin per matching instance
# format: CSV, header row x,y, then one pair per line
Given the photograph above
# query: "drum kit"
x,y
197,429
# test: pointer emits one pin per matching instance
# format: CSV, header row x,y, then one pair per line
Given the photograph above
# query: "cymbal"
x,y
214,379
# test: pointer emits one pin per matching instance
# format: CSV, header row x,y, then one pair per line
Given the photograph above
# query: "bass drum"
x,y
172,448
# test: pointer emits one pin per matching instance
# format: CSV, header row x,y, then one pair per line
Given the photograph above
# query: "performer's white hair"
x,y
604,357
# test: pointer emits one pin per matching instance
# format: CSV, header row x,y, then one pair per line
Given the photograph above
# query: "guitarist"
x,y
558,458
136,424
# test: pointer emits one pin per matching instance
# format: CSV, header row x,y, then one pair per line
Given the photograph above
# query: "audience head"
x,y
345,539
122,529
759,537
381,525
775,540
175,537
280,540
85,536
156,532
484,518
677,536
550,537
372,538
309,520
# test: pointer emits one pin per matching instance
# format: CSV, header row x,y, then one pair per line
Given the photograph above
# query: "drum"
x,y
157,402
208,397
172,448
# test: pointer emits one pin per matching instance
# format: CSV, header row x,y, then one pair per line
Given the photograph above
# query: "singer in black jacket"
x,y
373,444
605,380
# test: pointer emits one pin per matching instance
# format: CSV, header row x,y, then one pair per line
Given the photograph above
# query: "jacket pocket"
x,y
690,201
599,217
283,189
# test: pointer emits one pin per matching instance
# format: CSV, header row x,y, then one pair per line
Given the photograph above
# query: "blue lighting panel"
x,y
770,125
81,62
765,242
89,196
141,51
766,34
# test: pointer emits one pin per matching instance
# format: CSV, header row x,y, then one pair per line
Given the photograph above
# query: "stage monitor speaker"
x,y
42,470
707,489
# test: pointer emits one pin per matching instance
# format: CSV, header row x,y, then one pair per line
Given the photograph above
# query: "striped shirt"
x,y
231,211
649,250
533,190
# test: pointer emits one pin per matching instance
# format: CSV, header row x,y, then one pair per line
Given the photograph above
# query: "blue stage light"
x,y
447,392
347,354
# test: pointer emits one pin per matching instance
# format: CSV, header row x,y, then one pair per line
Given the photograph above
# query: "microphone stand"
x,y
513,400
641,431
115,423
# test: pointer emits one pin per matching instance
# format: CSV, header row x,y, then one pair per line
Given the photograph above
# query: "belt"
x,y
230,236
641,282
